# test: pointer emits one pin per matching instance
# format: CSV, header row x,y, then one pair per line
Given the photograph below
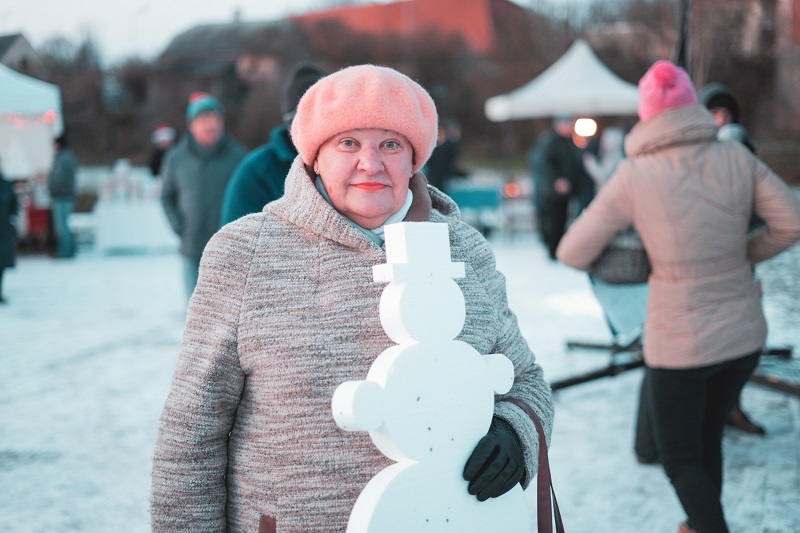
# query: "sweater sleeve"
x,y
188,480
529,383
779,207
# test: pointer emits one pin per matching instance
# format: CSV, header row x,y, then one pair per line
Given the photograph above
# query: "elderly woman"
x,y
285,310
690,197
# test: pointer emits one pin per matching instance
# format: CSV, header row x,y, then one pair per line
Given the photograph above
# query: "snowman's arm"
x,y
529,383
358,405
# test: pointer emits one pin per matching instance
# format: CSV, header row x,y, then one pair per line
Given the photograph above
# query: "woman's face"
x,y
366,173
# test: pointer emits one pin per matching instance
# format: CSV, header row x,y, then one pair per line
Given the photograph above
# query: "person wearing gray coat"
x,y
195,175
286,309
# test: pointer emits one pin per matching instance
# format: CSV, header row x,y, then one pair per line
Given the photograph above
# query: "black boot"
x,y
739,420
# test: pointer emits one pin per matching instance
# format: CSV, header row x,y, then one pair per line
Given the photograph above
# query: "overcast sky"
x,y
136,27
144,27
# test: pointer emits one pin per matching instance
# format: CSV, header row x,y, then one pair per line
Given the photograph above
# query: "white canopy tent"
x,y
30,118
576,84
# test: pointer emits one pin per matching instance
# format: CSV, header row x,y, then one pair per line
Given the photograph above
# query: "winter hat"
x,y
303,76
718,95
664,86
200,102
163,133
365,96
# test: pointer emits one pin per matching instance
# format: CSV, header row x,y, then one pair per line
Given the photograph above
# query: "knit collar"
x,y
302,205
375,234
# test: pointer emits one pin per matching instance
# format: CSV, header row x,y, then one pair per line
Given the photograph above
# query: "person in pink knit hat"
x,y
285,310
690,196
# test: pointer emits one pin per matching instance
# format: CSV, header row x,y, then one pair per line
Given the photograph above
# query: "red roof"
x,y
471,19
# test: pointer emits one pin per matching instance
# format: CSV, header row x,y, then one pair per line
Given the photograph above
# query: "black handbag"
x,y
624,260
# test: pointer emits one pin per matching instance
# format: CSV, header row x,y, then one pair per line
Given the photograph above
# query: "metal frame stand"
x,y
776,381
632,349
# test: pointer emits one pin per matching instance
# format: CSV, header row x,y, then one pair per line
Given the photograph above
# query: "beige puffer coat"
x,y
691,197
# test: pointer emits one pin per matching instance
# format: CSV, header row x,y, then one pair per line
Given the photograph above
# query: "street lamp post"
x,y
681,53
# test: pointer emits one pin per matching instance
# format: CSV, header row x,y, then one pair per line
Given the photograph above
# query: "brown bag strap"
x,y
544,484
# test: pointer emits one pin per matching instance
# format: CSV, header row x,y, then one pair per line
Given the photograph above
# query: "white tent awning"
x,y
30,117
576,84
25,96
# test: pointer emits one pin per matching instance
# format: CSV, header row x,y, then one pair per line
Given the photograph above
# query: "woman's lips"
x,y
370,186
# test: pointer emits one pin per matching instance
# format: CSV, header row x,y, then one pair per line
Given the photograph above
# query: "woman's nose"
x,y
370,161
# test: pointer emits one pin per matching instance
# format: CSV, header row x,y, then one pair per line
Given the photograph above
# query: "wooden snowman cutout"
x,y
428,400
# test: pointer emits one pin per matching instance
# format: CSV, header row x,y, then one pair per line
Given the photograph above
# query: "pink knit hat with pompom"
x,y
365,96
663,87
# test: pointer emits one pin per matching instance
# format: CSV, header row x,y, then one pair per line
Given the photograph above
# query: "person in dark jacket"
x,y
259,178
8,232
557,169
61,184
723,105
195,174
445,162
163,138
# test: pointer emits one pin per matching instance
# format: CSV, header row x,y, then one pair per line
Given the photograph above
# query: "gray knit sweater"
x,y
284,311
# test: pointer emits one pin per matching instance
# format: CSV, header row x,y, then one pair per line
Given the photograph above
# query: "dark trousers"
x,y
644,443
688,409
553,222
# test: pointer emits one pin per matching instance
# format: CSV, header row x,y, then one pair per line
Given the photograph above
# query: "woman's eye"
x,y
348,143
392,145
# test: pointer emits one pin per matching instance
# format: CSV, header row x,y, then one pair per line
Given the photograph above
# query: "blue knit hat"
x,y
200,102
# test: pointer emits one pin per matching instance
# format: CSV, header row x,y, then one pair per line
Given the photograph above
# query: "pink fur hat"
x,y
365,96
663,87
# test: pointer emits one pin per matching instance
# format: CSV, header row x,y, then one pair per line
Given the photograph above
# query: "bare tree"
x,y
76,69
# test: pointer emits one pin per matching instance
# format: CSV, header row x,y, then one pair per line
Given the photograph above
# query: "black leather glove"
x,y
496,464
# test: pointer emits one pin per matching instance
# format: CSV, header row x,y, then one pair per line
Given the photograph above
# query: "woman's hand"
x,y
496,464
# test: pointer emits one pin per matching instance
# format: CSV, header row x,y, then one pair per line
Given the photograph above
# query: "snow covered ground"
x,y
87,349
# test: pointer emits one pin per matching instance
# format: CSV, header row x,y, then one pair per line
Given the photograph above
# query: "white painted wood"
x,y
419,249
358,405
422,310
426,401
